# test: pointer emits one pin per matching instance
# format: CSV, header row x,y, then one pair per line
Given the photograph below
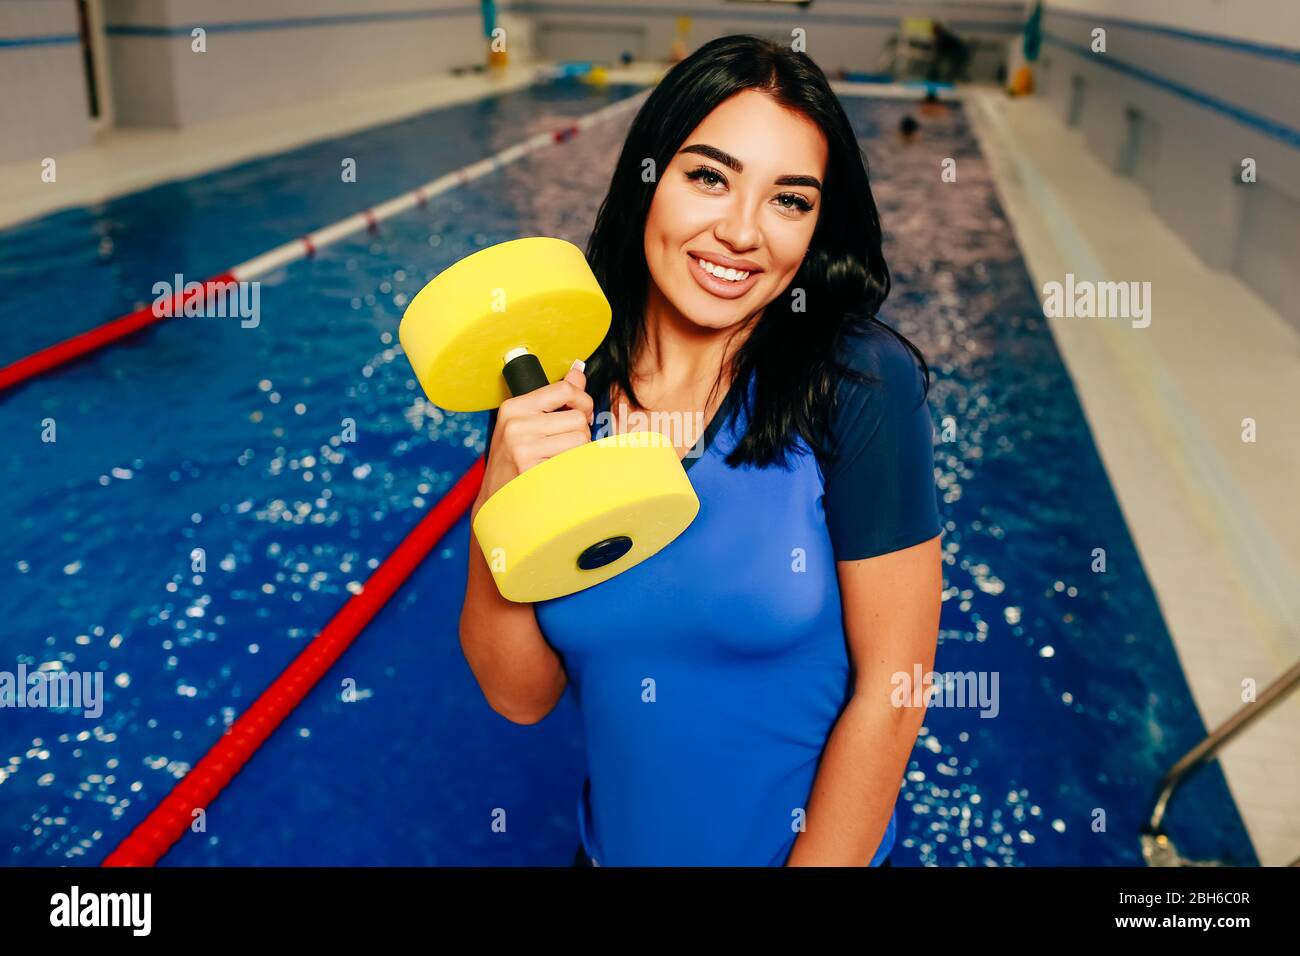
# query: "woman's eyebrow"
x,y
731,162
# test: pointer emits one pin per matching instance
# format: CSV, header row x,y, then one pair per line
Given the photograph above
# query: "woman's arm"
x,y
520,674
891,616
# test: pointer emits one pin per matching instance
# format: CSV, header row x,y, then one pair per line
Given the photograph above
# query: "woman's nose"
x,y
738,228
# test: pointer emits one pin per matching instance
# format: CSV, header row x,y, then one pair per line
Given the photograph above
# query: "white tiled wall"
x,y
261,56
43,107
1210,100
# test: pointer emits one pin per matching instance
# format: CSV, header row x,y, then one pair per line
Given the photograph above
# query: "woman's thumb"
x,y
577,373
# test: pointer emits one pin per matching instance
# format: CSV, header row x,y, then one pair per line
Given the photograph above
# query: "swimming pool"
x,y
201,433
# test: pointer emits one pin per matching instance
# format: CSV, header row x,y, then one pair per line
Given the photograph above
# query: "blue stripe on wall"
x,y
294,23
1240,46
58,40
1265,125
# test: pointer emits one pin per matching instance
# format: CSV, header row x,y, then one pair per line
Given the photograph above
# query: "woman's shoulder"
x,y
882,354
895,375
878,477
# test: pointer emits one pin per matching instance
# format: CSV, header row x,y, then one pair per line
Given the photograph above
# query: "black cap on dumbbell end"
x,y
523,372
604,552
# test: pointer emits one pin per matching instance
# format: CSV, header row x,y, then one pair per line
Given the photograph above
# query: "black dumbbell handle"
x,y
524,374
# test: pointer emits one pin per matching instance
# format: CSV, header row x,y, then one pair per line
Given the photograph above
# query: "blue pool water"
x,y
203,434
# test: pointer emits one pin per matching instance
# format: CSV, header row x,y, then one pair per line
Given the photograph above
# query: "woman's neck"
x,y
681,375
678,358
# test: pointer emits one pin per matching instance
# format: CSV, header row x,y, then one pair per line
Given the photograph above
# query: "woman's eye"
x,y
709,177
794,202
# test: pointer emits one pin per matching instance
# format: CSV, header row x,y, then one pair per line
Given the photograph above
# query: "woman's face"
x,y
735,210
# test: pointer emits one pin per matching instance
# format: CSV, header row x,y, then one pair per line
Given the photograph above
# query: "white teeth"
x,y
731,275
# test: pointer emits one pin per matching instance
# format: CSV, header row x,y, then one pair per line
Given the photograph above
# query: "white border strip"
x,y
1267,571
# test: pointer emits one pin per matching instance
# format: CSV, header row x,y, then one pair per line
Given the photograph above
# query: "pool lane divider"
x,y
197,790
303,247
101,335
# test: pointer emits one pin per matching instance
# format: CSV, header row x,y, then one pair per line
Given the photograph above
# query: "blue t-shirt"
x,y
710,676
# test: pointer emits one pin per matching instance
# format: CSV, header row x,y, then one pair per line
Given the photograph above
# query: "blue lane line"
x,y
52,40
1287,54
1277,130
291,23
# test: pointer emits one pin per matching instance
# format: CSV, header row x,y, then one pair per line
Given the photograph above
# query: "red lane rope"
x,y
304,247
96,338
199,788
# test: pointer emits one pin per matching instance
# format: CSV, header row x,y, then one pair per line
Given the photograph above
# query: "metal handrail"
x,y
1212,744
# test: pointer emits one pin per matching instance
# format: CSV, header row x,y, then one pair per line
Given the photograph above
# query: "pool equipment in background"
x,y
1158,848
504,321
567,70
679,49
593,74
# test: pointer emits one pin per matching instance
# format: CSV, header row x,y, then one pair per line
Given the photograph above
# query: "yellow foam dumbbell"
x,y
506,320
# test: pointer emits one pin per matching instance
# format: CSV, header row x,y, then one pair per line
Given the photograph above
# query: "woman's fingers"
x,y
534,452
540,424
523,429
565,420
577,376
568,392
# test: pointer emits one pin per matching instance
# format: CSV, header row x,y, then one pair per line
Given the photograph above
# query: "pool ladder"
x,y
1157,848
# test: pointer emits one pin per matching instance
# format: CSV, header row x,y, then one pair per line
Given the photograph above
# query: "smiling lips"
x,y
724,277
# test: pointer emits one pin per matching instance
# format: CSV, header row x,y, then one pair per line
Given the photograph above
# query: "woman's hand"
x,y
535,426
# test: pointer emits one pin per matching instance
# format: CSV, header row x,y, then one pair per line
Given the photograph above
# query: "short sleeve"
x,y
879,485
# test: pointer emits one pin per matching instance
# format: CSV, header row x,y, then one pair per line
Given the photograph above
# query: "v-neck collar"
x,y
705,441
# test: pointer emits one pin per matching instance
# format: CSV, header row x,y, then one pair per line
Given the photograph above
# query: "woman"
x,y
737,689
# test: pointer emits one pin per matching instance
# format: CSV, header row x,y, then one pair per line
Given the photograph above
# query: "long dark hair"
x,y
792,355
